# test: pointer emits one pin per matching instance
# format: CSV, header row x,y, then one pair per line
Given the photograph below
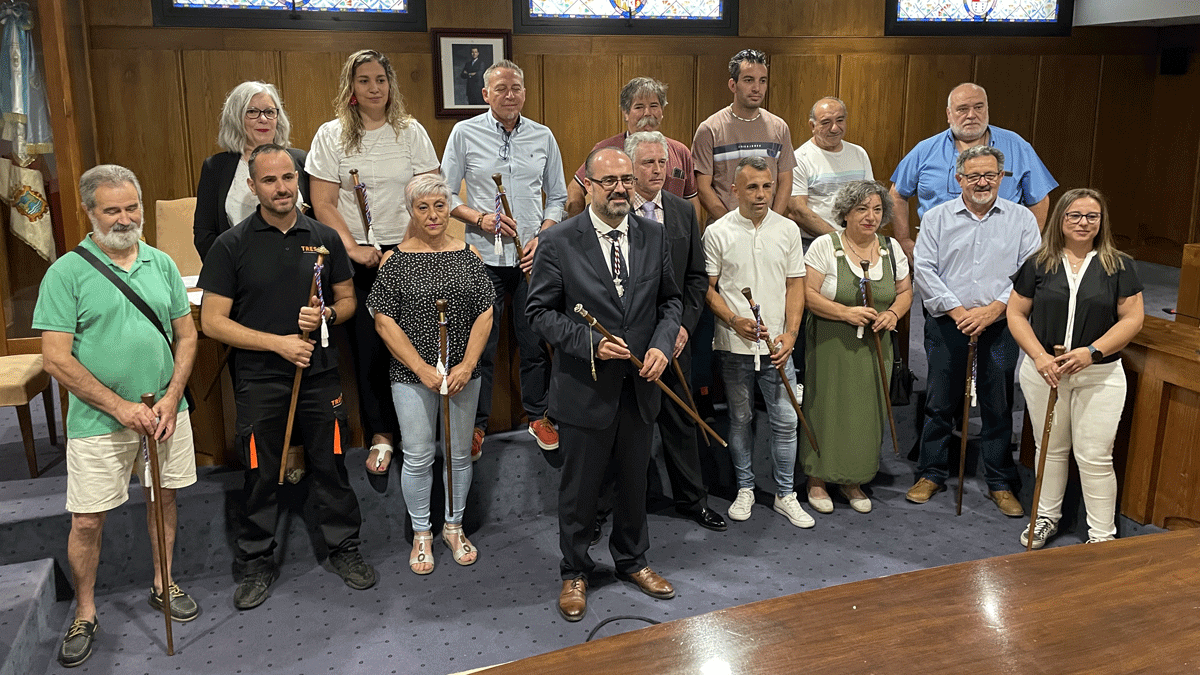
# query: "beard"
x,y
271,207
976,197
609,210
119,238
968,136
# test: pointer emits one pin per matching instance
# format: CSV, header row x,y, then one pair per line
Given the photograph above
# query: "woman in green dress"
x,y
845,404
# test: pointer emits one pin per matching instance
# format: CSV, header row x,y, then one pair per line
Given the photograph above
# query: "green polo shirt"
x,y
112,339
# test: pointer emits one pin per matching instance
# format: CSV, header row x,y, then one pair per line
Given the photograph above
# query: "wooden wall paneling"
x,y
469,14
811,17
1175,494
712,87
798,81
1011,83
207,79
139,105
873,87
580,113
678,72
308,82
1173,135
414,74
1064,131
1124,80
930,79
109,13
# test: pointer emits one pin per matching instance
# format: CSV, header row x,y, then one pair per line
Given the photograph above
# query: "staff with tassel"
x,y
968,401
364,206
869,300
1051,401
314,290
150,455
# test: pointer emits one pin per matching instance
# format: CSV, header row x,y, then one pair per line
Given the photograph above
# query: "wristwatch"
x,y
332,316
1096,354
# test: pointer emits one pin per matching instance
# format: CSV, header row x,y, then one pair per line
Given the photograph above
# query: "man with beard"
x,y
744,129
964,260
928,170
618,267
643,100
256,281
106,352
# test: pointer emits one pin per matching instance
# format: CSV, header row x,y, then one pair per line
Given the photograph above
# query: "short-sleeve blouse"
x,y
1095,304
406,290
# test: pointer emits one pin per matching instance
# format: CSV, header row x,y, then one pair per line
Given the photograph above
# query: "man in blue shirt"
x,y
928,170
527,157
963,262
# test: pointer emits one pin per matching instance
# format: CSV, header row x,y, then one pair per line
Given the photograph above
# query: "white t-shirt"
x,y
241,201
385,164
819,174
760,258
821,257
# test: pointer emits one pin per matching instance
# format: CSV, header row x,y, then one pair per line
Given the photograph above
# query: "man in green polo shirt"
x,y
99,346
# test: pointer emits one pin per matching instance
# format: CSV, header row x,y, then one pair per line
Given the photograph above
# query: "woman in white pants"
x,y
1078,291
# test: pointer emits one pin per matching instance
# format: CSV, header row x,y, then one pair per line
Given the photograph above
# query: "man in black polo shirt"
x,y
256,280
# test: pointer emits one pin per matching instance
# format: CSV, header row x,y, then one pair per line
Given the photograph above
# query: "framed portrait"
x,y
460,58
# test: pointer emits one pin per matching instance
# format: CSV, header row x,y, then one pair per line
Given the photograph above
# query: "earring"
x,y
353,99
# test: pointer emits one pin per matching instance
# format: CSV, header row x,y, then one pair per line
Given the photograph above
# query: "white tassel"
x,y
324,334
441,369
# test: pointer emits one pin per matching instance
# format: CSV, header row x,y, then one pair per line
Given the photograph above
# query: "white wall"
x,y
1155,12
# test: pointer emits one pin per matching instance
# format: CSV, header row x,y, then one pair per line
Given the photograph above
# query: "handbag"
x,y
902,378
138,302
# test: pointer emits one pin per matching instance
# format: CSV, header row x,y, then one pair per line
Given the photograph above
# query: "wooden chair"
x,y
21,378
173,233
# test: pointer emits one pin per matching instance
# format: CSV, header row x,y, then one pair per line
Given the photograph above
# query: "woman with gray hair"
x,y
428,266
845,403
253,115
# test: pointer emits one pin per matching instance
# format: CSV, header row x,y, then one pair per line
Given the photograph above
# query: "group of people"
x,y
614,289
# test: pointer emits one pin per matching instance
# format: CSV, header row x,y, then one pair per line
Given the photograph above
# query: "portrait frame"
x,y
451,60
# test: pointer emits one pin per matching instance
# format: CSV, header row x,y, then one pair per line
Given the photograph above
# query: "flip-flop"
x,y
385,455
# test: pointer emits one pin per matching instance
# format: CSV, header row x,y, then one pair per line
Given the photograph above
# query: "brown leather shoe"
x,y
923,491
572,601
651,583
1008,503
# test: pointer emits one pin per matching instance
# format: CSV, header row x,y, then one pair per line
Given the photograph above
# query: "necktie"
x,y
618,261
648,210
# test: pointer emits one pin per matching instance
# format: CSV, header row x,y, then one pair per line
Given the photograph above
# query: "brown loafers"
x,y
572,601
651,583
923,491
1007,503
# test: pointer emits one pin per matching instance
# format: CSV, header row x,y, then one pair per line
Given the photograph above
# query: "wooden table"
x,y
1131,605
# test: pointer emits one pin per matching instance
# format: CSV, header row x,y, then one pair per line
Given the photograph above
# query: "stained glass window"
x,y
625,9
301,5
308,14
619,17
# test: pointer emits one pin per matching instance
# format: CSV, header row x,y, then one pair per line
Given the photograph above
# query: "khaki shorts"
x,y
99,467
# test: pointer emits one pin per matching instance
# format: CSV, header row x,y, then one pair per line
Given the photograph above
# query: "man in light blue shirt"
x,y
928,170
527,158
968,250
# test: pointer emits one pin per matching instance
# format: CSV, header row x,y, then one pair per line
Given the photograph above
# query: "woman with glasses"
x,y
374,136
253,114
844,401
1078,291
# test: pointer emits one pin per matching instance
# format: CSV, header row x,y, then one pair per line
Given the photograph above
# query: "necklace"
x,y
850,246
735,115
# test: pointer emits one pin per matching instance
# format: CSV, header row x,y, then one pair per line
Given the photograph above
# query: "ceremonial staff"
x,y
364,207
869,298
508,212
443,368
968,398
787,384
287,432
150,446
687,389
591,321
1051,401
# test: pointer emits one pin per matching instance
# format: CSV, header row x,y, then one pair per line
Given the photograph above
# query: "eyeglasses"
x,y
610,182
268,113
990,177
1075,216
505,149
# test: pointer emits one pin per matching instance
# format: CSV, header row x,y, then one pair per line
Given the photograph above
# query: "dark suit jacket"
x,y
570,268
216,176
687,257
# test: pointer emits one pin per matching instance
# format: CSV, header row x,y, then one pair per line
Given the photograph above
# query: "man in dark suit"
x,y
472,72
618,267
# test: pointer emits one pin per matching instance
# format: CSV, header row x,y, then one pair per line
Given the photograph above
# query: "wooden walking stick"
x,y
364,207
787,384
444,369
591,321
883,381
287,432
503,197
968,394
1051,401
687,389
151,457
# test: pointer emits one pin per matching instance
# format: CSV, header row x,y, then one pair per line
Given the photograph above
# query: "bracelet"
x,y
479,222
332,316
889,309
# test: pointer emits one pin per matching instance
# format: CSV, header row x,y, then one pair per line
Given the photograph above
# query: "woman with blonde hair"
x,y
373,135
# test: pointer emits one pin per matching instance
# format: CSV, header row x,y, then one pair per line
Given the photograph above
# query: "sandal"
x,y
422,543
383,459
464,547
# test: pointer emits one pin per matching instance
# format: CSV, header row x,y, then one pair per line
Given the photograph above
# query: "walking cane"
x,y
287,432
687,389
444,369
591,321
503,196
883,383
1051,401
787,384
968,394
364,207
151,457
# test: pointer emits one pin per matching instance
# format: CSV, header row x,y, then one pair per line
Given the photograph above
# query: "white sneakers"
x,y
740,508
789,506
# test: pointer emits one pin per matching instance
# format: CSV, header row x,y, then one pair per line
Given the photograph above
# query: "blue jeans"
x,y
996,357
418,409
739,375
